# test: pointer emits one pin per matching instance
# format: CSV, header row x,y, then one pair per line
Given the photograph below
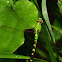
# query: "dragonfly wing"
x,y
44,34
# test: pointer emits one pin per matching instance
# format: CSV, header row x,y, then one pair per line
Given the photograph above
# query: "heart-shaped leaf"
x,y
22,16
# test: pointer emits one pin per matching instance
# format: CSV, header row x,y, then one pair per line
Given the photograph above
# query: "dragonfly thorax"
x,y
38,27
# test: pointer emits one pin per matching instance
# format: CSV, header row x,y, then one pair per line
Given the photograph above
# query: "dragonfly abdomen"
x,y
34,47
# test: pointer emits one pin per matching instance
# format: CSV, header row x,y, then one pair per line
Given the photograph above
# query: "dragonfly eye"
x,y
36,20
41,21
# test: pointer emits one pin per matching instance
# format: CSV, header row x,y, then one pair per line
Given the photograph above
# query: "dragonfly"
x,y
37,30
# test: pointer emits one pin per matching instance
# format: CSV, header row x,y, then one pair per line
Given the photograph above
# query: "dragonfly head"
x,y
40,20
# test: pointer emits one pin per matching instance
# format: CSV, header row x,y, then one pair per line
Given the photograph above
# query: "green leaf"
x,y
22,16
60,58
8,3
59,3
36,3
22,12
45,15
60,0
57,29
14,56
51,53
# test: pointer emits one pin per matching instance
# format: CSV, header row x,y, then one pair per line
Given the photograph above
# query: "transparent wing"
x,y
45,33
